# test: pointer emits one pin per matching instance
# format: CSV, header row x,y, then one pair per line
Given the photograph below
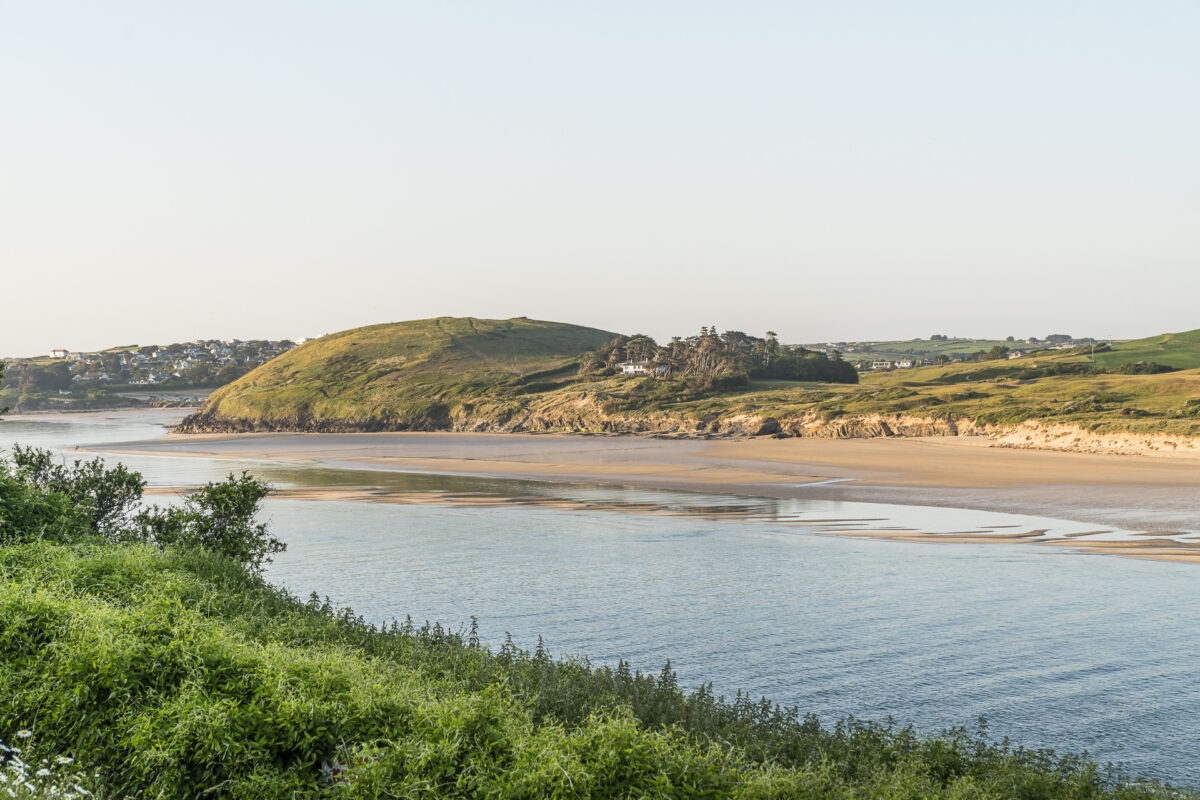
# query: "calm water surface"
x,y
1054,648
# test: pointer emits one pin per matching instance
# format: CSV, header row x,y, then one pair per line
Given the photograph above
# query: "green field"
x,y
923,348
1180,350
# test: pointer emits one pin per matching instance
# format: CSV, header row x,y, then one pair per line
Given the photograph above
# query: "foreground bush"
x,y
145,643
42,497
179,674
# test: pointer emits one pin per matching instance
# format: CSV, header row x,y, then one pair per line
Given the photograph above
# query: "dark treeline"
x,y
32,377
714,355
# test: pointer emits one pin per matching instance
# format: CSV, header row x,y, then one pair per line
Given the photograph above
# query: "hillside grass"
x,y
468,374
1180,350
406,370
988,392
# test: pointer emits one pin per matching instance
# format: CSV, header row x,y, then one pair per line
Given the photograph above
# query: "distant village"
x,y
941,349
200,363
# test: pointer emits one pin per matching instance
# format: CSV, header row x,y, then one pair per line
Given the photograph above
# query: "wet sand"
x,y
936,462
1129,492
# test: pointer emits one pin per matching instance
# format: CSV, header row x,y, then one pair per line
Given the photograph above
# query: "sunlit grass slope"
x,y
1179,350
997,393
523,375
402,372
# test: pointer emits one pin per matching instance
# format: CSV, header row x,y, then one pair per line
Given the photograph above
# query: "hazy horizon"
x,y
661,339
858,172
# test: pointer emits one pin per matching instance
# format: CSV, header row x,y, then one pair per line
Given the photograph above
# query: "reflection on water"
x,y
1074,652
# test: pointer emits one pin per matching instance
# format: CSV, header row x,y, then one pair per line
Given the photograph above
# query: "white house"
x,y
59,353
881,365
634,367
905,364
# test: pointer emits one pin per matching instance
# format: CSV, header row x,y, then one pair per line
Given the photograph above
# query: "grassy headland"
x,y
523,375
146,646
404,376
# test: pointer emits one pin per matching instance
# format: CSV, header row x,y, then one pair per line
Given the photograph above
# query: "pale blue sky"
x,y
827,170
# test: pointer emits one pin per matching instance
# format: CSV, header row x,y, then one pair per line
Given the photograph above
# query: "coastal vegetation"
x,y
522,375
732,358
145,644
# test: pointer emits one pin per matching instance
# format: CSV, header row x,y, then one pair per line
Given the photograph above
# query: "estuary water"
x,y
1054,648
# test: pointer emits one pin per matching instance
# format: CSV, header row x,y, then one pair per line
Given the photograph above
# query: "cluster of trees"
x,y
28,376
714,355
996,353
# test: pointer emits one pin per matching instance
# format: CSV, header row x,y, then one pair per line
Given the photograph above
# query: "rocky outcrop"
x,y
597,414
586,413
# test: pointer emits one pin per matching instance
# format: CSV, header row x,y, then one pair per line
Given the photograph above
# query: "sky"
x,y
830,171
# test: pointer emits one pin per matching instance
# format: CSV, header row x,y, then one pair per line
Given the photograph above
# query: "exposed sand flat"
x,y
1148,549
936,462
965,472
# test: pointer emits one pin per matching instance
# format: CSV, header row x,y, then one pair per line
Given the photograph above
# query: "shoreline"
x,y
1130,493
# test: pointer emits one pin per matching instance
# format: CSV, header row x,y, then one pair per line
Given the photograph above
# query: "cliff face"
x,y
586,413
1038,435
589,414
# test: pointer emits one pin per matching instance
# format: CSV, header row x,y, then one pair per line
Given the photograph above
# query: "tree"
x,y
220,518
200,374
106,497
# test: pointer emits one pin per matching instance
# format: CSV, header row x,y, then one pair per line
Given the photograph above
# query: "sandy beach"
x,y
950,462
1132,492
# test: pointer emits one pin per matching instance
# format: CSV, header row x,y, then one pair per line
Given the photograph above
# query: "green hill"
x,y
398,376
523,375
1179,350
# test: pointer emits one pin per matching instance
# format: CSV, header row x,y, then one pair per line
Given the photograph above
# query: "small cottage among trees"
x,y
710,354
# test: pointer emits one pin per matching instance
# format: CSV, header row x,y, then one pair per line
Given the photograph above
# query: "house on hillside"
x,y
634,367
904,364
59,353
881,365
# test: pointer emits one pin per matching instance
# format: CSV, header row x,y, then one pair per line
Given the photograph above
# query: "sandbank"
x,y
1130,492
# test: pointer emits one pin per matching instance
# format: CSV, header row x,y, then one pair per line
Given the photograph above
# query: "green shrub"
x,y
28,513
41,498
218,517
108,495
180,674
159,656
